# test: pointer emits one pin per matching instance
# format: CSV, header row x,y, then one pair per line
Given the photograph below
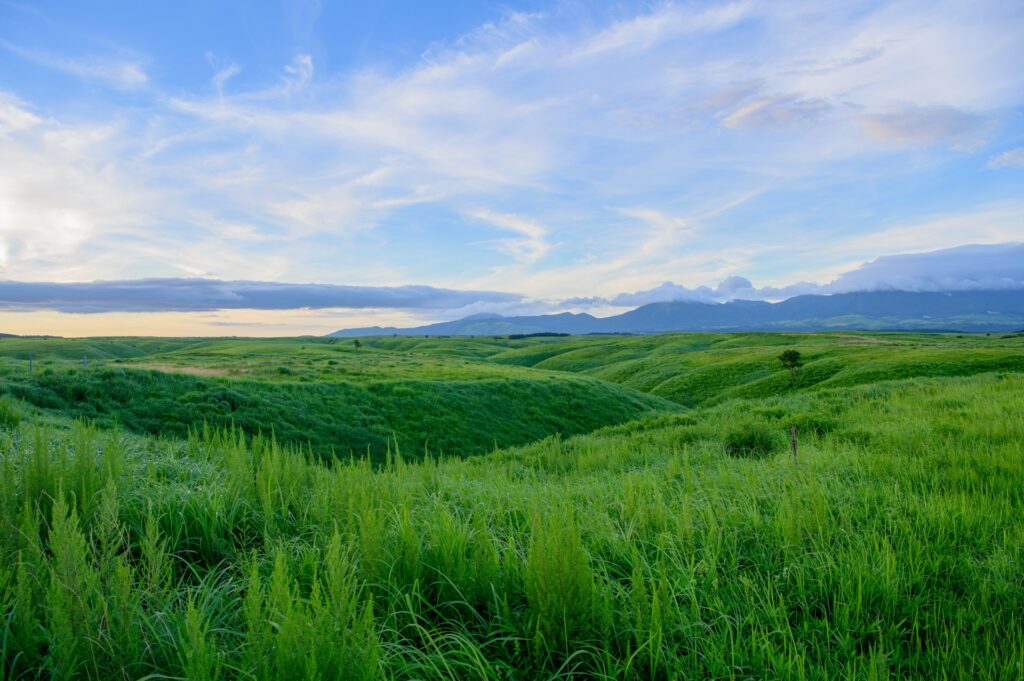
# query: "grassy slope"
x,y
438,391
56,349
319,360
694,369
684,547
337,399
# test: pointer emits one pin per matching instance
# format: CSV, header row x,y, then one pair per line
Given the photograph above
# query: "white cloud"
x,y
509,106
118,72
664,293
775,112
664,231
987,224
924,125
14,115
1014,158
62,195
927,54
300,72
665,23
964,268
223,72
528,250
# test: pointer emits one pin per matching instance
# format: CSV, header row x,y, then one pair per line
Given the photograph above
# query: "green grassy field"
x,y
337,400
679,540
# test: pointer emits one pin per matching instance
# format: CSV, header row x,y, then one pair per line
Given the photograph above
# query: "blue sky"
x,y
554,151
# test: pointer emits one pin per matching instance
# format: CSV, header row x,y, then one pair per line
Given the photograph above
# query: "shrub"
x,y
753,439
809,422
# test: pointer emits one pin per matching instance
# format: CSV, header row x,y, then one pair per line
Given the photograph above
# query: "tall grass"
x,y
891,549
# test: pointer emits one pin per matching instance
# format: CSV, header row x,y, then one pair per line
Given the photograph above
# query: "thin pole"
x,y
792,441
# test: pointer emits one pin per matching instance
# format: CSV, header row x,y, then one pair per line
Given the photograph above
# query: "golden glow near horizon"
x,y
257,323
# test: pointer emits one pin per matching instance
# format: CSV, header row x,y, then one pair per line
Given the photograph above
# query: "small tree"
x,y
356,344
792,361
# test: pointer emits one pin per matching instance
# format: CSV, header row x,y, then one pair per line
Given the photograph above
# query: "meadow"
x,y
628,508
330,397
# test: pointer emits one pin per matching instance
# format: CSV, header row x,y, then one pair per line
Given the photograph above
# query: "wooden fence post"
x,y
792,440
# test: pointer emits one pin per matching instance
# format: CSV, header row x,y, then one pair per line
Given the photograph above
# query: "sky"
x,y
281,168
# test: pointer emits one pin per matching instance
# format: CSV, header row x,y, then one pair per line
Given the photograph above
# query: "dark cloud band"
x,y
199,295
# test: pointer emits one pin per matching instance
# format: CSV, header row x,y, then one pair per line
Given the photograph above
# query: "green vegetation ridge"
x,y
335,400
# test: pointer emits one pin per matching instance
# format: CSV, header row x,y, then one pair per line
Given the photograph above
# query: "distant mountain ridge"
x,y
968,311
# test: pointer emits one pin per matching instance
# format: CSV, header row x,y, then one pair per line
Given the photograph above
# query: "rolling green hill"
x,y
693,369
50,349
334,398
462,395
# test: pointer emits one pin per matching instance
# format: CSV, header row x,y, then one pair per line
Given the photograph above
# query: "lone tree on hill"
x,y
791,360
356,344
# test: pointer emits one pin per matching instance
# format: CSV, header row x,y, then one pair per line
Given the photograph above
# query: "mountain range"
x,y
966,311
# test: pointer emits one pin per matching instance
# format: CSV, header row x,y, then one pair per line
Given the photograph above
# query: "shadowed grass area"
x,y
462,417
891,549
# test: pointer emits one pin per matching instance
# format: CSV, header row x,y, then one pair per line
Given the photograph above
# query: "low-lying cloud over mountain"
x,y
730,288
193,295
964,268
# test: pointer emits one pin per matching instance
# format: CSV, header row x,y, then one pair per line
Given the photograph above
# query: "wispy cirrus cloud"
x,y
667,22
223,72
116,71
924,125
1013,158
298,73
531,247
775,112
